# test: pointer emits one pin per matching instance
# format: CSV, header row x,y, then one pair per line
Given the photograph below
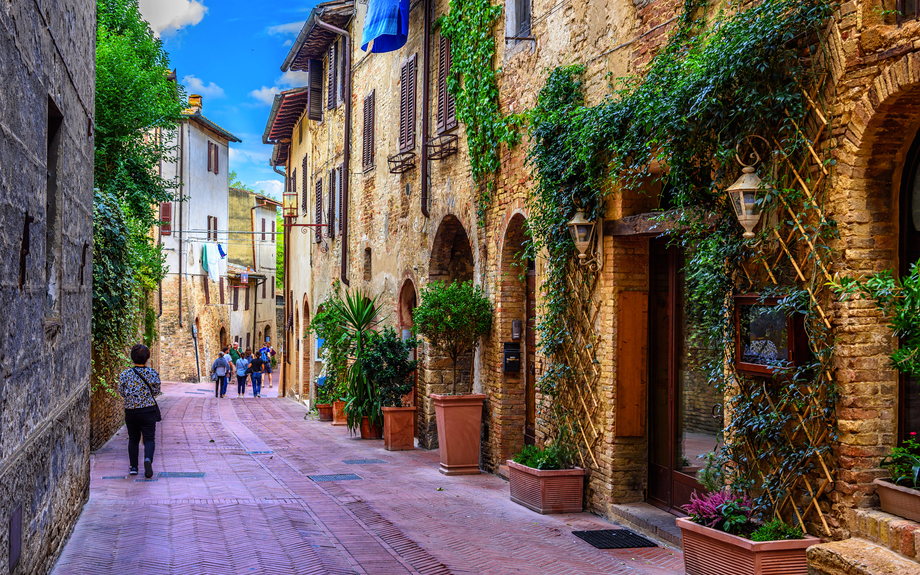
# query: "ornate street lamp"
x,y
583,232
743,194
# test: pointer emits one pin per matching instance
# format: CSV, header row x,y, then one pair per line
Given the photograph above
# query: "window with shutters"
x,y
331,205
216,149
236,298
207,291
340,206
332,77
342,63
518,19
165,218
220,286
367,155
273,231
246,295
264,287
407,78
319,209
210,156
447,111
263,229
303,177
315,92
215,228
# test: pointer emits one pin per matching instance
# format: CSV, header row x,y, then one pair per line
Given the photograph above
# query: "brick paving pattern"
x,y
257,511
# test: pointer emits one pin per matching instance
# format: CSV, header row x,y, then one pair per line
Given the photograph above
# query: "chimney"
x,y
194,102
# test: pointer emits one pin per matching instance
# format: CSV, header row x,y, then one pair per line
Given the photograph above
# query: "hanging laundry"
x,y
210,261
386,25
220,250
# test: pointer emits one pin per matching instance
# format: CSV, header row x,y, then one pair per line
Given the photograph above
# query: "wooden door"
x,y
530,348
909,253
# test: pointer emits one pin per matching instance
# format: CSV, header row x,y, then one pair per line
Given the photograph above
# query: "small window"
x,y
246,303
264,288
447,110
319,210
407,78
273,231
165,218
236,298
263,230
367,156
332,76
367,264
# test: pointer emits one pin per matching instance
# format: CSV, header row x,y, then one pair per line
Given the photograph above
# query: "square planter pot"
x,y
338,413
325,411
901,501
547,490
398,428
369,430
709,551
459,423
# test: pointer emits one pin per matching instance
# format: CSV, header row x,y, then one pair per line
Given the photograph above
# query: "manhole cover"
x,y
144,480
163,474
339,477
259,452
114,477
613,539
362,461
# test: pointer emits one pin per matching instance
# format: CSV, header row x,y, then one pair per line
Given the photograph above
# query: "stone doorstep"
x,y
899,535
649,520
857,557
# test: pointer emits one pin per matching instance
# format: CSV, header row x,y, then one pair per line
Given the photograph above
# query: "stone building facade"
x,y
406,228
47,63
193,320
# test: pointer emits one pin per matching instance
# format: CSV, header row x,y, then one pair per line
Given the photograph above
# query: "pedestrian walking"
x,y
235,352
220,371
242,366
257,367
139,386
267,354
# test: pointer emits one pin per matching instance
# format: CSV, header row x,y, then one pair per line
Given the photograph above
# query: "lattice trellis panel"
x,y
797,255
578,393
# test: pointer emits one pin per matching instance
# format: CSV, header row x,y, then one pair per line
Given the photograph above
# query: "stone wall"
x,y
47,62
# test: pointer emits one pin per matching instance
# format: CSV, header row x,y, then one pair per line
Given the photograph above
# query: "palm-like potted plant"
x,y
545,480
452,318
329,326
362,407
900,492
324,397
387,363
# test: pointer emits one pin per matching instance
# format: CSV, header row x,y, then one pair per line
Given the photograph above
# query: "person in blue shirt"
x,y
242,365
266,353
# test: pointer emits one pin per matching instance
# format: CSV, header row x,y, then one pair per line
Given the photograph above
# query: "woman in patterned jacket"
x,y
139,387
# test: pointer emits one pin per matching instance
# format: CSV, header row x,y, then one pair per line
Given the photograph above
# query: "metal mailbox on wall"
x,y
512,356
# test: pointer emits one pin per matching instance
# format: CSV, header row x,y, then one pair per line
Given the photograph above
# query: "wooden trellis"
x,y
796,254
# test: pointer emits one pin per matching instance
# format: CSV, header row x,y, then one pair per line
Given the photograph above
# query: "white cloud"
x,y
290,28
167,17
265,94
197,86
272,188
288,43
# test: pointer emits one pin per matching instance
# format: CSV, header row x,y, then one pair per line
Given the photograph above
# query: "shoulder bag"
x,y
150,389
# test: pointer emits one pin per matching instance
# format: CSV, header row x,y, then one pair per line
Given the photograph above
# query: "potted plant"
x,y
328,325
545,481
452,318
899,494
386,361
362,406
719,536
323,398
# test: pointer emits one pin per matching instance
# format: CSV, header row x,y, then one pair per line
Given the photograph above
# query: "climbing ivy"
x,y
723,75
469,25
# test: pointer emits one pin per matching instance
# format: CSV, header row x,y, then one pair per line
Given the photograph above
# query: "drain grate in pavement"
x,y
145,480
168,474
258,452
114,477
613,539
339,477
194,393
362,461
199,389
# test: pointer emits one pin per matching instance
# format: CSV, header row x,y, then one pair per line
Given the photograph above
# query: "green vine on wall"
x,y
723,76
473,82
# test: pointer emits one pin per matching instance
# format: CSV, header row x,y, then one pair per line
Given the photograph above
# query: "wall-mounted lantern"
x,y
584,234
743,194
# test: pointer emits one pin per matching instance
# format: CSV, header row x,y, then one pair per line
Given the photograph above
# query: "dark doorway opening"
x,y
909,253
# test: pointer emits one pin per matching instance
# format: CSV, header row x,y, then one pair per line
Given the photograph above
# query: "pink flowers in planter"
x,y
720,510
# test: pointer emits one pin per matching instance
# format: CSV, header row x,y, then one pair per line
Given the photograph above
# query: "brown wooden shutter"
x,y
342,59
330,222
220,286
331,79
216,158
263,229
403,104
451,120
215,229
210,157
367,155
315,92
207,292
410,124
443,48
273,229
236,297
246,303
165,218
264,287
341,192
319,209
303,176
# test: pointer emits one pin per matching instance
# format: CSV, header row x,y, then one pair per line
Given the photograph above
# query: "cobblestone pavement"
x,y
255,510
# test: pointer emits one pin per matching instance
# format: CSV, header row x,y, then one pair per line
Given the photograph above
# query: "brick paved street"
x,y
257,511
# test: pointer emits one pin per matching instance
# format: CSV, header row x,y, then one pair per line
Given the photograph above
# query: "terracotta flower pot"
x,y
901,501
459,423
325,411
338,413
397,428
547,490
709,551
369,431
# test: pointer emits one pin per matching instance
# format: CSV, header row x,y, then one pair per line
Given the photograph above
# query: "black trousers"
x,y
141,421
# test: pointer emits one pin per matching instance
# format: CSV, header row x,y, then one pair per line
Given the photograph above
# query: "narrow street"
x,y
256,509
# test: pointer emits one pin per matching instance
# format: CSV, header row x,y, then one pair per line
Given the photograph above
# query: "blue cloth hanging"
x,y
220,249
386,25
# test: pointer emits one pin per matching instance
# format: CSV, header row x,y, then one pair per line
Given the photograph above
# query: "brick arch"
x,y
295,364
451,253
305,386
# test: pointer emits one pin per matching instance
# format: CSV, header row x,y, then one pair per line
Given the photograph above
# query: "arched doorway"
x,y
451,254
267,335
306,378
295,353
909,253
408,299
516,331
223,338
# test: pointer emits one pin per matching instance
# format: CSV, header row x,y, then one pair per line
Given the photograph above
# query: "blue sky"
x,y
230,52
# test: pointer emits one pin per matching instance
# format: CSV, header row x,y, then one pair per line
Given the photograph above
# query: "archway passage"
x,y
306,377
223,338
451,254
407,302
292,381
909,253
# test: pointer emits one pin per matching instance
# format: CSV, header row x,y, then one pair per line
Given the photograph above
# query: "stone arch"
x,y
295,352
451,253
305,387
222,336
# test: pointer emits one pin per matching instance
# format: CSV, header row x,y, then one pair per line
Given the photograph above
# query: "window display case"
x,y
767,337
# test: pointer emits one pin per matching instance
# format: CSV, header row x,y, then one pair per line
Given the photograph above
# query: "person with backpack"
x,y
257,368
220,371
242,367
139,386
266,353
